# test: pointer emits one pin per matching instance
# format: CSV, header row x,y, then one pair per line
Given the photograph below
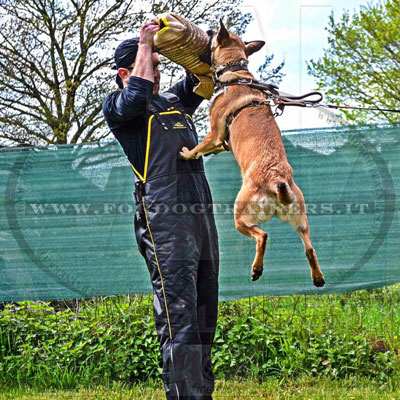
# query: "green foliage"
x,y
61,349
299,336
361,65
114,340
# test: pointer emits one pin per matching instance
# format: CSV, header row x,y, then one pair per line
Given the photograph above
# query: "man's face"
x,y
156,62
125,73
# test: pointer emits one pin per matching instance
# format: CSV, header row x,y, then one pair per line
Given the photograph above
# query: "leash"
x,y
271,90
273,94
360,108
299,101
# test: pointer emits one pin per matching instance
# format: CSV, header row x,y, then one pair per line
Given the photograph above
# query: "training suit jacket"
x,y
180,245
126,114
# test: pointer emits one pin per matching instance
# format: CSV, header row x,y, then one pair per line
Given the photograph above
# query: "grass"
x,y
305,388
302,347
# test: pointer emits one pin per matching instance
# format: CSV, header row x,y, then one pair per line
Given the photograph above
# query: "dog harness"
x,y
270,89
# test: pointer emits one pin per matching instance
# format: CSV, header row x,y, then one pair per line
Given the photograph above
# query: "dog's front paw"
x,y
185,153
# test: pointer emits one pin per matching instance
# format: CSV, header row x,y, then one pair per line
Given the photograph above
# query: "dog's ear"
x,y
223,33
253,46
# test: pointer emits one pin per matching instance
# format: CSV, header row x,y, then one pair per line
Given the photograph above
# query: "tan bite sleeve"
x,y
183,42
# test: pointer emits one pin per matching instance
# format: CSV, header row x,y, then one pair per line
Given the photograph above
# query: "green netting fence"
x,y
66,219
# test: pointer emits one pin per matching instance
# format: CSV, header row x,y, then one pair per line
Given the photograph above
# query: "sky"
x,y
294,31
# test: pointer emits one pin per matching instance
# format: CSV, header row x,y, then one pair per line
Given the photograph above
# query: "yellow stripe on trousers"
x,y
159,269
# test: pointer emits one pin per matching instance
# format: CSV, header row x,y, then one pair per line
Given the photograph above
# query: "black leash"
x,y
360,108
281,101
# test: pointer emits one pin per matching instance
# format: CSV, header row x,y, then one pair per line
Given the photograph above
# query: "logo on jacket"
x,y
179,125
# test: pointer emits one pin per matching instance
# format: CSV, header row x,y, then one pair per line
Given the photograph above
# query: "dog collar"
x,y
230,67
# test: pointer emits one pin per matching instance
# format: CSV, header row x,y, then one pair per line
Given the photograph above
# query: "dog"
x,y
268,187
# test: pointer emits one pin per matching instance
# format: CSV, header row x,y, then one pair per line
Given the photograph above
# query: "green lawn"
x,y
344,346
306,388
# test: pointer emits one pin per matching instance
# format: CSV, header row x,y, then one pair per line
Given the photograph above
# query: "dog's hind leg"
x,y
246,213
299,221
316,274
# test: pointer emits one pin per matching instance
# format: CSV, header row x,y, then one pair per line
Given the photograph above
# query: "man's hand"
x,y
144,66
147,32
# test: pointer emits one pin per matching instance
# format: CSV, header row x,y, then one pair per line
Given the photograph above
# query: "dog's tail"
x,y
284,193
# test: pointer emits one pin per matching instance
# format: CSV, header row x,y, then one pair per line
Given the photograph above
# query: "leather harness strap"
x,y
269,88
232,116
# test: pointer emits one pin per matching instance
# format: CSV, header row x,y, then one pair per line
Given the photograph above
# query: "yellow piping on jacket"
x,y
146,162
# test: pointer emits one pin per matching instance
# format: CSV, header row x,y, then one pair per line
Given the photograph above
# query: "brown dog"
x,y
268,187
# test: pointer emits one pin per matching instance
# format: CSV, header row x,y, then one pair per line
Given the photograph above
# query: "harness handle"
x,y
288,99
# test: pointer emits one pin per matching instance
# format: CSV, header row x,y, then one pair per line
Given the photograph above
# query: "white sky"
x,y
294,31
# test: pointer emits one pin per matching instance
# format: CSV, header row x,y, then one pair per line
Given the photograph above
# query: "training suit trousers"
x,y
176,235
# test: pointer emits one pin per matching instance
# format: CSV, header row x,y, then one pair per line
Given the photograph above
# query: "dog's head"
x,y
227,47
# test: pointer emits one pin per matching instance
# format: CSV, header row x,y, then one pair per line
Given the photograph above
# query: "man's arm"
x,y
184,90
131,100
144,67
126,104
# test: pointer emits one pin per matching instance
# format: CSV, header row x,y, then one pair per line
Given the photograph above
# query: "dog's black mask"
x,y
206,56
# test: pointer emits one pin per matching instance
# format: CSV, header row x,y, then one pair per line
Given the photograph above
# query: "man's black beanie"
x,y
124,56
125,53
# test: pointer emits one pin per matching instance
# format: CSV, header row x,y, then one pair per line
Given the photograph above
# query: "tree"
x,y
269,74
361,66
55,59
50,63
